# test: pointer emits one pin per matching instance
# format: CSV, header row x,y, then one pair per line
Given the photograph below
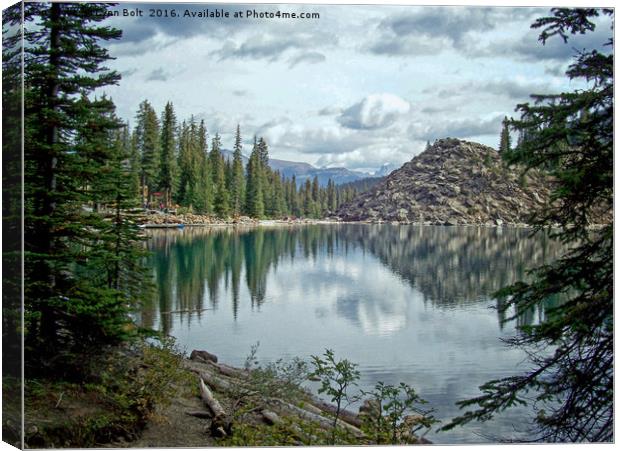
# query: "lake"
x,y
407,303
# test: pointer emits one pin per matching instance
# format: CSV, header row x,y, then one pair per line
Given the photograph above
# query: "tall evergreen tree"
x,y
265,172
332,200
504,139
204,180
133,160
167,164
263,152
184,164
189,163
255,203
308,202
276,207
148,144
65,149
238,178
315,189
221,201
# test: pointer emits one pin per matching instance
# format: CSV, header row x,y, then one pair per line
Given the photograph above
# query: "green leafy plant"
x,y
399,416
337,377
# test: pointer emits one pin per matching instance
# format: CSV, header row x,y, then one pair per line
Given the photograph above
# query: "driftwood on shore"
x,y
238,384
220,424
226,378
345,415
199,413
306,413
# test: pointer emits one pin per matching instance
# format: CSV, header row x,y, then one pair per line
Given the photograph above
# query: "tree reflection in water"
x,y
450,266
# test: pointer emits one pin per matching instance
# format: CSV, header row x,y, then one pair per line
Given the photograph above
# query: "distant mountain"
x,y
452,182
303,171
385,169
338,175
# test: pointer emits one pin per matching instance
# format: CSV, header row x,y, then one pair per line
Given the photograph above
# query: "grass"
x,y
114,400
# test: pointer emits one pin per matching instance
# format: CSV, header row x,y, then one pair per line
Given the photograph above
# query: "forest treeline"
x,y
176,164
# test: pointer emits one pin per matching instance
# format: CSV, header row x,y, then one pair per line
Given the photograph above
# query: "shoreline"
x,y
195,401
305,414
162,221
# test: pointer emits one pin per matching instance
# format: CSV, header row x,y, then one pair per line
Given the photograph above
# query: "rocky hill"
x,y
453,182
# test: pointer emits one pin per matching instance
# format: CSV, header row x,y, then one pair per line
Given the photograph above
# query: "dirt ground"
x,y
172,427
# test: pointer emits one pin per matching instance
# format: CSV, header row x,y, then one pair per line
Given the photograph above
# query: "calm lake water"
x,y
409,304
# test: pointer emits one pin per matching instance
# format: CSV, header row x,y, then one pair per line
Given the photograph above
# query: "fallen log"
x,y
199,413
316,407
221,423
229,370
322,421
219,383
345,415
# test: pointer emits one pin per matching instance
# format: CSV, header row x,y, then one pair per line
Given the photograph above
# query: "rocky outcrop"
x,y
453,182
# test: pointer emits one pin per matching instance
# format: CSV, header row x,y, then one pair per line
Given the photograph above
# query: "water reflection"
x,y
196,268
407,303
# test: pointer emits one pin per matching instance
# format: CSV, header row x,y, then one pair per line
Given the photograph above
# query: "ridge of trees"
x,y
177,167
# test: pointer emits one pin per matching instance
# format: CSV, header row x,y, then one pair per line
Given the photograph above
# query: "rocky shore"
x,y
156,219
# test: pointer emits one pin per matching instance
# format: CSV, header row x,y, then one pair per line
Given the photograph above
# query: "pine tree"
x,y
167,165
66,146
265,173
148,143
571,375
191,162
238,178
276,207
221,200
215,156
120,238
332,200
504,139
255,205
133,160
294,198
315,188
263,152
308,201
184,165
12,213
204,180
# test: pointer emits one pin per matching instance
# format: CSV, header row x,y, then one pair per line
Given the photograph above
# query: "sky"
x,y
358,87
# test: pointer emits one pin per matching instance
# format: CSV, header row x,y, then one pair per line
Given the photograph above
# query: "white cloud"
x,y
374,111
360,87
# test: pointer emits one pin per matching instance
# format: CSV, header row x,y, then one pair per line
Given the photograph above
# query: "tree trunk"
x,y
221,424
43,237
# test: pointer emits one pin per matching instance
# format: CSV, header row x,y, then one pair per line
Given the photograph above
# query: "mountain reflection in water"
x,y
408,303
448,265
